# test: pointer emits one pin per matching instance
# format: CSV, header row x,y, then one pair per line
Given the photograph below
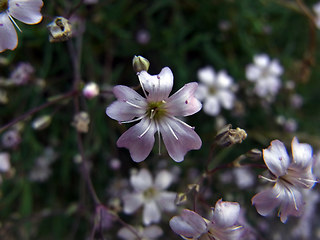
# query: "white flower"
x,y
147,233
27,11
157,113
4,162
291,176
316,9
223,226
91,90
215,90
265,73
151,195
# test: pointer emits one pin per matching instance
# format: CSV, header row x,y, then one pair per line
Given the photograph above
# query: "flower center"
x,y
150,193
156,110
3,5
212,90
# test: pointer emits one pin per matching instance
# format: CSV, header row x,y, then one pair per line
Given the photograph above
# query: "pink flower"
x,y
190,225
290,177
27,11
158,113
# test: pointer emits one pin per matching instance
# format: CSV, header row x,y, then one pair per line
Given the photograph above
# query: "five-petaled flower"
x,y
27,11
223,226
290,177
158,113
152,195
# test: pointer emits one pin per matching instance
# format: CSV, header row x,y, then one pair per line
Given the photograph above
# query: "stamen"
x,y
12,20
182,122
307,180
134,120
145,131
267,179
133,105
171,130
159,139
152,113
144,92
294,199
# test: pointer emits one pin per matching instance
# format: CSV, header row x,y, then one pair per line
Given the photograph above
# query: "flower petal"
x,y
183,102
202,92
226,213
302,153
211,106
223,80
276,158
126,234
261,60
158,86
183,140
163,180
253,72
152,232
139,140
131,202
189,224
266,200
27,11
226,98
151,213
141,181
166,201
9,38
207,75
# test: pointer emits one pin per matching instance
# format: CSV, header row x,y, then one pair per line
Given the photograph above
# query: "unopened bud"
x,y
180,198
81,122
140,63
91,90
59,30
194,186
254,154
41,122
228,136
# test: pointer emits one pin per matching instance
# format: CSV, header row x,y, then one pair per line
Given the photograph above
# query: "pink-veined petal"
x,y
141,181
211,106
139,140
27,11
178,138
183,102
226,213
189,224
166,201
151,213
158,86
9,38
131,202
122,111
276,158
266,200
163,180
302,153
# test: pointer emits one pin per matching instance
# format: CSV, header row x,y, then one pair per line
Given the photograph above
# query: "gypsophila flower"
x,y
152,195
157,113
11,138
215,90
148,233
4,162
26,11
265,73
90,90
22,74
223,226
290,177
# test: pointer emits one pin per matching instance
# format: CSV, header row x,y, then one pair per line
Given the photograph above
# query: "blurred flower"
x,y
290,177
81,122
215,90
244,178
265,74
157,113
115,164
89,2
296,101
25,11
151,194
223,226
316,9
41,122
4,162
22,74
90,90
143,36
147,233
11,138
3,97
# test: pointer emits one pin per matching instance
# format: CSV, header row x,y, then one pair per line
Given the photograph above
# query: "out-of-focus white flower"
x,y
265,73
243,177
215,90
91,90
151,194
157,113
223,226
290,177
143,36
148,233
90,2
4,162
22,74
25,11
11,138
316,9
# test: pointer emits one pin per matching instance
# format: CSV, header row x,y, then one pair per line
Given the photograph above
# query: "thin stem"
x,y
37,109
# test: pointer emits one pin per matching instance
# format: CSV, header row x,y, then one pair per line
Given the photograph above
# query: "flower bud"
x,y
59,30
91,90
140,63
228,136
41,122
254,154
81,122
